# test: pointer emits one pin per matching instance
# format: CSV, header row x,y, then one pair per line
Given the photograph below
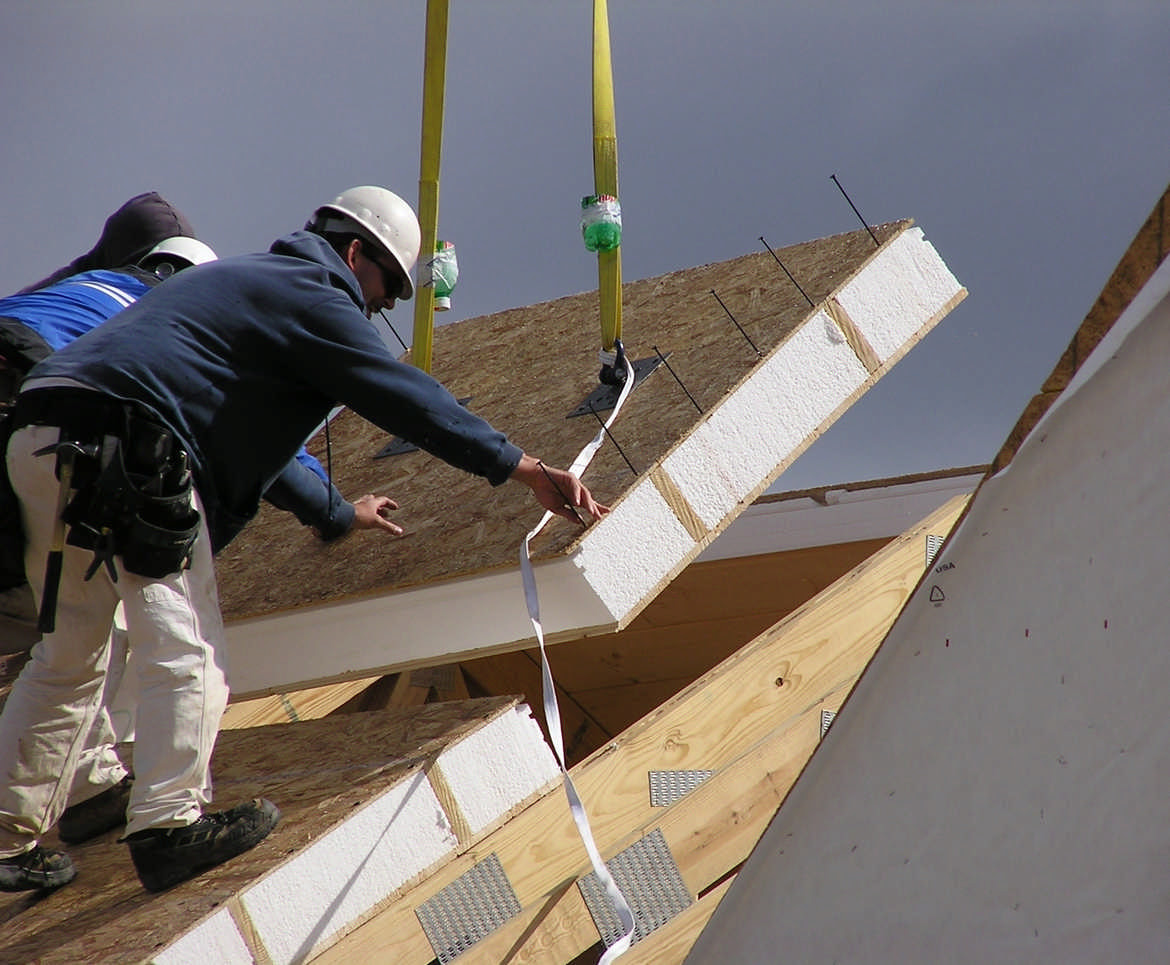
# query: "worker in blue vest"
x,y
34,323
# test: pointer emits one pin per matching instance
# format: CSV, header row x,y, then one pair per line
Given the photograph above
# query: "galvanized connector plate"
x,y
646,874
666,787
469,909
827,718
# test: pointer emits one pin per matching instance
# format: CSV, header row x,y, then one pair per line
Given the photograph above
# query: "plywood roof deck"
x,y
524,370
450,588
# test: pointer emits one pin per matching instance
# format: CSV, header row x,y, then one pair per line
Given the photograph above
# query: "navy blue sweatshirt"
x,y
244,357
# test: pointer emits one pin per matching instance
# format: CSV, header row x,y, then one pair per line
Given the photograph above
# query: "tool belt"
x,y
131,477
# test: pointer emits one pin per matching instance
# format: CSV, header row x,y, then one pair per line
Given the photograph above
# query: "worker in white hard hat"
x,y
251,355
34,324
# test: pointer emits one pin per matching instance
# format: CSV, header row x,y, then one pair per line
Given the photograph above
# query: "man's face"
x,y
381,284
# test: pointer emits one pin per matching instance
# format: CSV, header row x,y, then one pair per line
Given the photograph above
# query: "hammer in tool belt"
x,y
67,453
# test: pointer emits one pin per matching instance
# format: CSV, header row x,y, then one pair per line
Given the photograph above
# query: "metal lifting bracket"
x,y
397,446
604,397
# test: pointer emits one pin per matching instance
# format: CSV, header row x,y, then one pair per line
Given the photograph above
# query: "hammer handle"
x,y
47,619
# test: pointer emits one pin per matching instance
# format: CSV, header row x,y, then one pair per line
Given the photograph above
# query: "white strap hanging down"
x,y
552,712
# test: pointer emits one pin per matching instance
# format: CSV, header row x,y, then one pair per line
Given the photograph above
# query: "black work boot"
x,y
36,868
101,813
165,856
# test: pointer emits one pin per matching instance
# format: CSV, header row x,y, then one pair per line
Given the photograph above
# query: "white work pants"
x,y
98,767
176,633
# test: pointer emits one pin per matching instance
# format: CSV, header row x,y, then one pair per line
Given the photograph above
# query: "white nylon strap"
x,y
552,712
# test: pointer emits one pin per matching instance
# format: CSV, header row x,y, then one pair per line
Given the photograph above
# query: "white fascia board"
x,y
846,516
425,625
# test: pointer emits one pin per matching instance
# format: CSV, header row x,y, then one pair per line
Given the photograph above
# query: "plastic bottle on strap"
x,y
444,274
601,222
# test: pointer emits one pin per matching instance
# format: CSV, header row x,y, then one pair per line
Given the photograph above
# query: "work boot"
x,y
165,856
101,813
36,868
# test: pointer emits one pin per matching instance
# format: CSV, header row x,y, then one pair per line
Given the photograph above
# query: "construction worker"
x,y
33,324
224,371
36,322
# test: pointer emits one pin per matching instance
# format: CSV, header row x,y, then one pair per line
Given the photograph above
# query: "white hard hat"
x,y
190,250
382,215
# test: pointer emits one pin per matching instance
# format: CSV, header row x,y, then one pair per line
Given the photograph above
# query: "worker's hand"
x,y
369,512
558,491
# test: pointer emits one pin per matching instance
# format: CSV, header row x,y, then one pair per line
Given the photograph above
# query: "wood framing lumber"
x,y
710,831
753,721
448,591
299,705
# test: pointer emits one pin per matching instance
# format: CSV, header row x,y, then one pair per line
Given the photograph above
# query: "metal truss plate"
x,y
827,718
395,447
666,787
469,909
604,397
933,545
651,882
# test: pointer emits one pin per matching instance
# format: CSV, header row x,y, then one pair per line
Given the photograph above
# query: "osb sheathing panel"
x,y
524,370
317,772
1147,251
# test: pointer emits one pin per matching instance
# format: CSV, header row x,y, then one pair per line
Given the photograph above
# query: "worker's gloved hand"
x,y
370,512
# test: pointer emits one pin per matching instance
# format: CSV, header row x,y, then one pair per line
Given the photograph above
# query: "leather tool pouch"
x,y
137,504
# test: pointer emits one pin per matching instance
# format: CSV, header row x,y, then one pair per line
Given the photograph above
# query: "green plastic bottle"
x,y
444,274
601,222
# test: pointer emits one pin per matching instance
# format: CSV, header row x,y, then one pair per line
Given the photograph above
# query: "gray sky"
x,y
1028,139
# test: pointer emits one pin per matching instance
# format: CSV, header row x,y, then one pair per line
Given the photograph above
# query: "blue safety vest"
x,y
74,306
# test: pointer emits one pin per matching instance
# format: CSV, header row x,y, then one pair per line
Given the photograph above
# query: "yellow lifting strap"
x,y
605,179
434,79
